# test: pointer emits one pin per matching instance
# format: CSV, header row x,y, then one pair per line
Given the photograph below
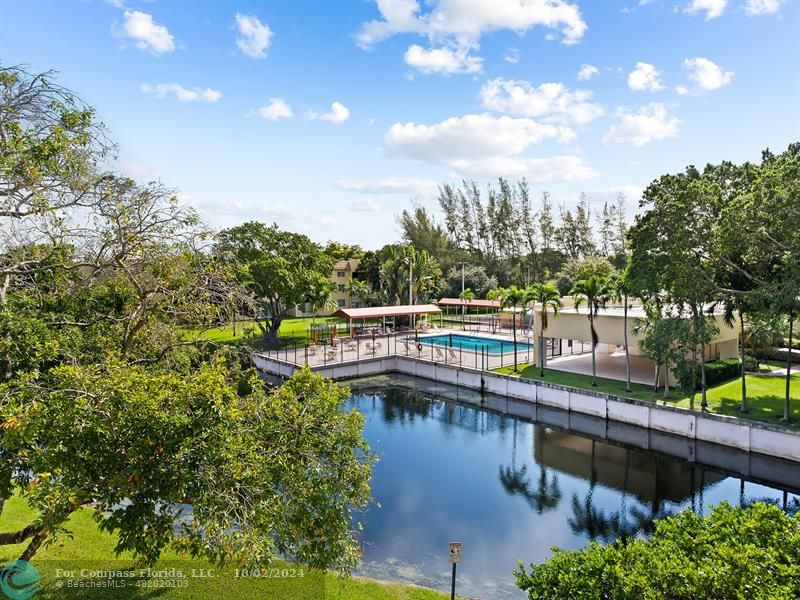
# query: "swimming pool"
x,y
474,343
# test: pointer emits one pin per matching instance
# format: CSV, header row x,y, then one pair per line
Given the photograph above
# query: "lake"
x,y
451,469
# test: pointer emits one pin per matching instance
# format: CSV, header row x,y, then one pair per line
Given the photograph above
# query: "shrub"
x,y
717,371
732,553
781,355
751,364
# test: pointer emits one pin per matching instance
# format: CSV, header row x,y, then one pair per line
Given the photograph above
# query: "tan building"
x,y
341,275
568,341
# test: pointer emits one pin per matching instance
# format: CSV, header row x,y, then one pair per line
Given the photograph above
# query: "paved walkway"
x,y
609,366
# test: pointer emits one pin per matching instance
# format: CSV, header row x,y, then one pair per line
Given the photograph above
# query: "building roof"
x,y
377,312
344,265
473,303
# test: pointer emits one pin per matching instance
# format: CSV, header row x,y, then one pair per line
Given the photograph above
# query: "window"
x,y
342,302
341,287
340,273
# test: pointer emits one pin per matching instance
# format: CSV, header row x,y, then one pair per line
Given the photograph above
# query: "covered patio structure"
x,y
378,315
568,341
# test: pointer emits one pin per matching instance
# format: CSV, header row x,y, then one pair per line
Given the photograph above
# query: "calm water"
x,y
509,489
470,342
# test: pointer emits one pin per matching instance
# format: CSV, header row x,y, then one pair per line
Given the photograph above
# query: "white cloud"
x,y
339,113
470,136
469,20
254,36
363,205
553,102
181,93
445,61
707,74
681,90
762,7
148,35
484,145
650,123
275,109
388,185
645,77
587,72
512,56
712,8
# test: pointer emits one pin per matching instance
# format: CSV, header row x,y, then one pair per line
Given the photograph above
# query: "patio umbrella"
x,y
451,340
333,335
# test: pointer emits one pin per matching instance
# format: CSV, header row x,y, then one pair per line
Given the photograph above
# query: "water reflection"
x,y
455,466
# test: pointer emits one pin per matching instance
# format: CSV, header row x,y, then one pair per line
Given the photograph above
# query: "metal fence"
x,y
495,353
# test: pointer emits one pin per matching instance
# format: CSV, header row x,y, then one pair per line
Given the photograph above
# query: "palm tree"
x,y
466,296
548,297
358,289
620,289
493,295
512,297
731,307
593,291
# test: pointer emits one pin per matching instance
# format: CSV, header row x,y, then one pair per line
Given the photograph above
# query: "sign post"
x,y
455,558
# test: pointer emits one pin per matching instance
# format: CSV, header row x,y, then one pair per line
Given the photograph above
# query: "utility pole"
x,y
462,277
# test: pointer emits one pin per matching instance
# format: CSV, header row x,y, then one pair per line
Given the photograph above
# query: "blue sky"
x,y
329,117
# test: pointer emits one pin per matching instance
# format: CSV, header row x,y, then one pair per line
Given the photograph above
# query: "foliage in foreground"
x,y
732,553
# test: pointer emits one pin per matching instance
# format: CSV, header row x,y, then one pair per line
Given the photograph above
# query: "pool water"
x,y
474,343
455,466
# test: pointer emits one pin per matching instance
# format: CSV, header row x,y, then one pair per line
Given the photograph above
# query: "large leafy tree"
x,y
107,401
281,268
265,472
720,556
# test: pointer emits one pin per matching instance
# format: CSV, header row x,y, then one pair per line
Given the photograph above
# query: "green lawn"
x,y
294,329
92,550
765,394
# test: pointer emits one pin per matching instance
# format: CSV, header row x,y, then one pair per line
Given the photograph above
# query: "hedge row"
x,y
717,371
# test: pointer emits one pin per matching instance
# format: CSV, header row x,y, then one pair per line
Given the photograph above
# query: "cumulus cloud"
x,y
484,145
645,78
712,8
388,185
454,27
469,20
681,90
762,7
444,61
181,93
648,124
254,36
587,72
707,74
275,109
339,113
553,102
148,35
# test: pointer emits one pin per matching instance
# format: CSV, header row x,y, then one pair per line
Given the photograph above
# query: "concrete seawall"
x,y
748,436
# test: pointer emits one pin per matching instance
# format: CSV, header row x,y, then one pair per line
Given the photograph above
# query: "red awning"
x,y
471,303
377,312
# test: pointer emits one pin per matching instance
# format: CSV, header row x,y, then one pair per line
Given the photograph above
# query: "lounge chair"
x,y
440,354
453,354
